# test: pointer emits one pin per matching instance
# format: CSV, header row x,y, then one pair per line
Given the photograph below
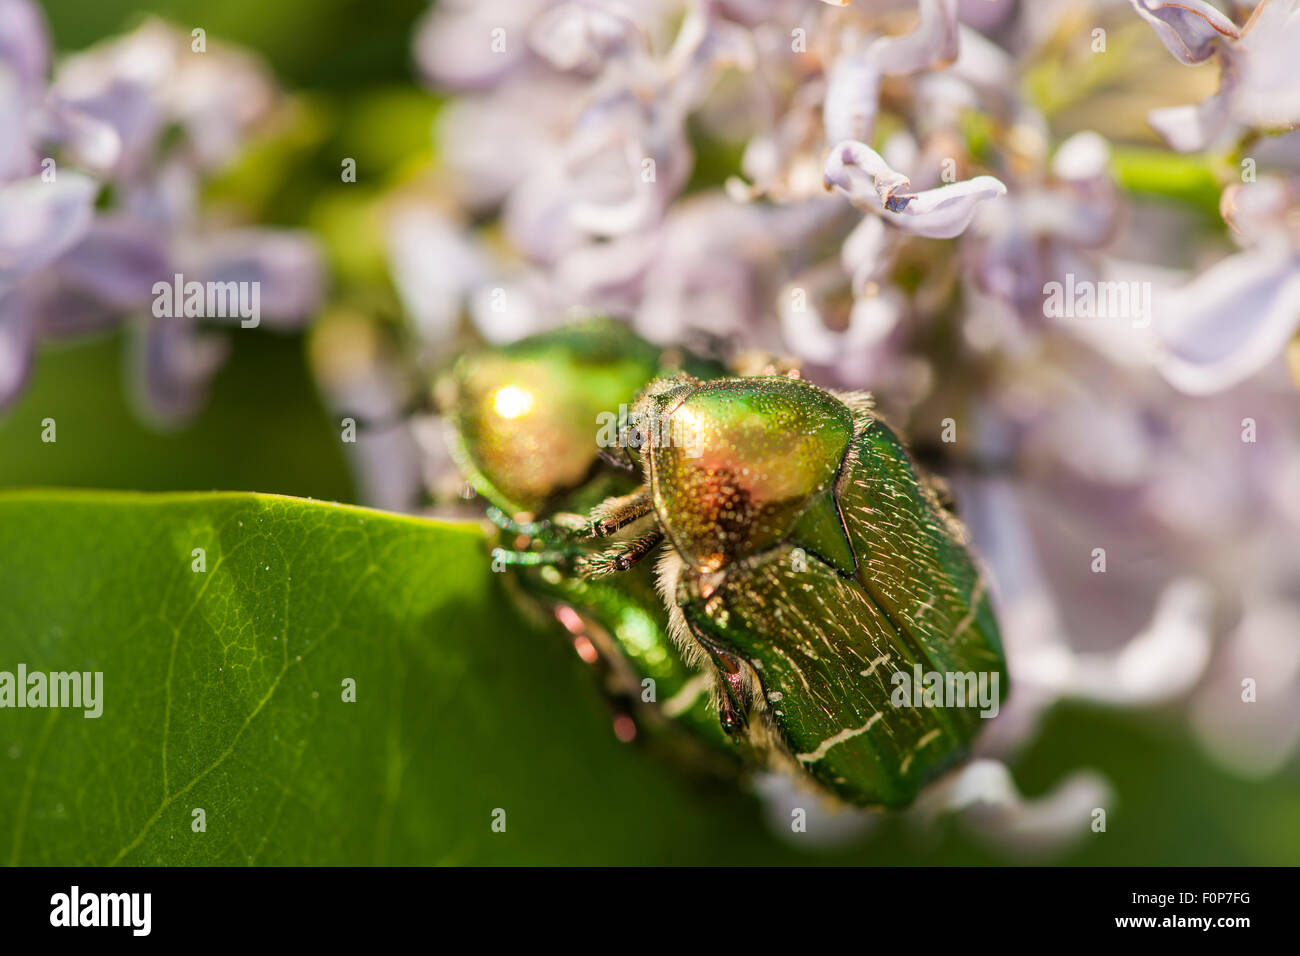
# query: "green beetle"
x,y
523,422
810,566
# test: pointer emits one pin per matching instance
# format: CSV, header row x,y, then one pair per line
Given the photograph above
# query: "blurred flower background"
x,y
1059,240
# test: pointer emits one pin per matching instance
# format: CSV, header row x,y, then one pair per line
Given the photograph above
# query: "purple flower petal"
x,y
286,265
1161,663
984,791
581,35
1189,29
24,43
17,341
933,44
16,156
1190,129
1263,75
128,107
467,44
852,98
1230,320
434,265
60,310
853,82
40,220
1259,211
1259,739
117,261
175,363
92,142
871,184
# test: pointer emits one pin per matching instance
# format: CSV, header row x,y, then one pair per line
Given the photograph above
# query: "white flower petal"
x,y
946,212
806,333
864,176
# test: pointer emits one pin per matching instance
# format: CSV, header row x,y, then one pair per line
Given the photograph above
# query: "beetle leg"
x,y
527,559
507,523
615,513
561,526
943,492
733,706
637,550
572,525
621,556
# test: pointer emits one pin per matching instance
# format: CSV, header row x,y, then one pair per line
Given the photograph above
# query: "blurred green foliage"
x,y
264,429
339,45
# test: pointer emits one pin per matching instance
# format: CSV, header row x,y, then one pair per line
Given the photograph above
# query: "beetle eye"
x,y
634,438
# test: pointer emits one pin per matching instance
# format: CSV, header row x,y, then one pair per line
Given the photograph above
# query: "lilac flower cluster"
x,y
907,215
101,164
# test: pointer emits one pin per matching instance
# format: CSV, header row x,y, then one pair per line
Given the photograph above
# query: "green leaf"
x,y
222,690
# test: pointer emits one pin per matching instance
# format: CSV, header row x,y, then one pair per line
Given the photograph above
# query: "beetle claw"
x,y
733,703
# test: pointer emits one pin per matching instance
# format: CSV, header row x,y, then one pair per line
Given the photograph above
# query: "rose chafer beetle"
x,y
523,421
806,562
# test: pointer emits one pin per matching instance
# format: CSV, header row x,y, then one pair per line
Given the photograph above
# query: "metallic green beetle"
x,y
815,570
523,424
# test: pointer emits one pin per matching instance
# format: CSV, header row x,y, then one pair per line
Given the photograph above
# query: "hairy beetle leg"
x,y
637,550
620,557
614,514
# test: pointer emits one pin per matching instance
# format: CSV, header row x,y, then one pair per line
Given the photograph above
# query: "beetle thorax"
x,y
744,460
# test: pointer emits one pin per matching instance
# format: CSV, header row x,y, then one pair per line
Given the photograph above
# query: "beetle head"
x,y
523,415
